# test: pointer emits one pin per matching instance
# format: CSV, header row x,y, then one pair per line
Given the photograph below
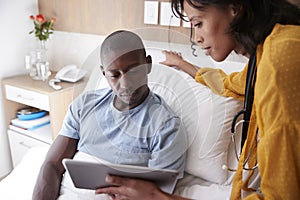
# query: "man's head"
x,y
125,66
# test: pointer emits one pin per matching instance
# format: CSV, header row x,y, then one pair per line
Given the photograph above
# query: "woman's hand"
x,y
131,189
174,59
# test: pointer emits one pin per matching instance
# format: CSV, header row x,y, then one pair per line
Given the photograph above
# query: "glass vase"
x,y
39,64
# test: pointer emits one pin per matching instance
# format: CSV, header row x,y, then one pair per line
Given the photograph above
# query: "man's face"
x,y
127,76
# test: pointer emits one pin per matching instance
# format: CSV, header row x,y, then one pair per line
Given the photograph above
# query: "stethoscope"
x,y
246,112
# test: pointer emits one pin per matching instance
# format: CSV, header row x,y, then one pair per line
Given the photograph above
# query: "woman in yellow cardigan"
x,y
270,30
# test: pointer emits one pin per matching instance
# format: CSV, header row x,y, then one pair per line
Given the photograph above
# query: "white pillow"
x,y
206,116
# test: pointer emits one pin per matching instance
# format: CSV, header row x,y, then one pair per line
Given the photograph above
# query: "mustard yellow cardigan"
x,y
276,113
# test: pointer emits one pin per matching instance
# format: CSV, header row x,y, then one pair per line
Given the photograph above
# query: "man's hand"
x,y
131,189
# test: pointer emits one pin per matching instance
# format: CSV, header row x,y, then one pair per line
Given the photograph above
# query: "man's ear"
x,y
102,69
149,61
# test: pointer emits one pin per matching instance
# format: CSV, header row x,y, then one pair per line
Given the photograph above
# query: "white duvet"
x,y
20,183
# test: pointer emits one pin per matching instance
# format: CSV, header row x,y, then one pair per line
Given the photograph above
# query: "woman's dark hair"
x,y
255,19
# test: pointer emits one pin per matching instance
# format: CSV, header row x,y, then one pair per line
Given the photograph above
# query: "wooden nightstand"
x,y
21,91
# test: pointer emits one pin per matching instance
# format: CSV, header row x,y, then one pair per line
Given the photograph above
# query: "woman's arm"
x,y
134,189
175,59
50,175
217,80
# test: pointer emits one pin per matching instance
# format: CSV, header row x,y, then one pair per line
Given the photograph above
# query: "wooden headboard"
x,y
105,16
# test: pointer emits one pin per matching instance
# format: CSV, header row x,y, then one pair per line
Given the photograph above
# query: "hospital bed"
x,y
206,117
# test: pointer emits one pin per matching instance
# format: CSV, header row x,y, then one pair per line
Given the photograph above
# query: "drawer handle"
x,y
26,98
25,145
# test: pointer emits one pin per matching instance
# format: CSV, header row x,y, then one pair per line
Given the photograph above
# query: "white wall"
x,y
14,40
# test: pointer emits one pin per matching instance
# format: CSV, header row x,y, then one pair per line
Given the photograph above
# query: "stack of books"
x,y
31,124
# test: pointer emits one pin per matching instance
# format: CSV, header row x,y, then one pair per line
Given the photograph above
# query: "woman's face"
x,y
211,25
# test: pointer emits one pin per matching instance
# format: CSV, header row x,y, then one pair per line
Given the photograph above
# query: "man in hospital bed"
x,y
124,124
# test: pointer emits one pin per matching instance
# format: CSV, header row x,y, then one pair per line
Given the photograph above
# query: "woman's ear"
x,y
234,9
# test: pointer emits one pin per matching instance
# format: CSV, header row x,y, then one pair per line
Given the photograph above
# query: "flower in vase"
x,y
42,27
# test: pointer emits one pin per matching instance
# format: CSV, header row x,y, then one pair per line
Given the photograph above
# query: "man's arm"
x,y
50,175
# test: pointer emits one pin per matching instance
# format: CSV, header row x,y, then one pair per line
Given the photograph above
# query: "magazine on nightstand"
x,y
31,124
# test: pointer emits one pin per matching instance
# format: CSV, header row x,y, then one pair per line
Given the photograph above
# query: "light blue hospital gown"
x,y
147,135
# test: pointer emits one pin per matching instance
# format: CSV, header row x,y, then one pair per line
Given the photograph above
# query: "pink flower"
x,y
40,18
42,28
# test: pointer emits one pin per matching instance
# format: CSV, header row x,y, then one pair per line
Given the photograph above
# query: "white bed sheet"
x,y
196,188
19,184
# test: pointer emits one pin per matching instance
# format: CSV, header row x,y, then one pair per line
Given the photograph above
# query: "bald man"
x,y
123,124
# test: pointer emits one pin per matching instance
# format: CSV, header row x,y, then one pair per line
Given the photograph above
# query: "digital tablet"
x,y
91,175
